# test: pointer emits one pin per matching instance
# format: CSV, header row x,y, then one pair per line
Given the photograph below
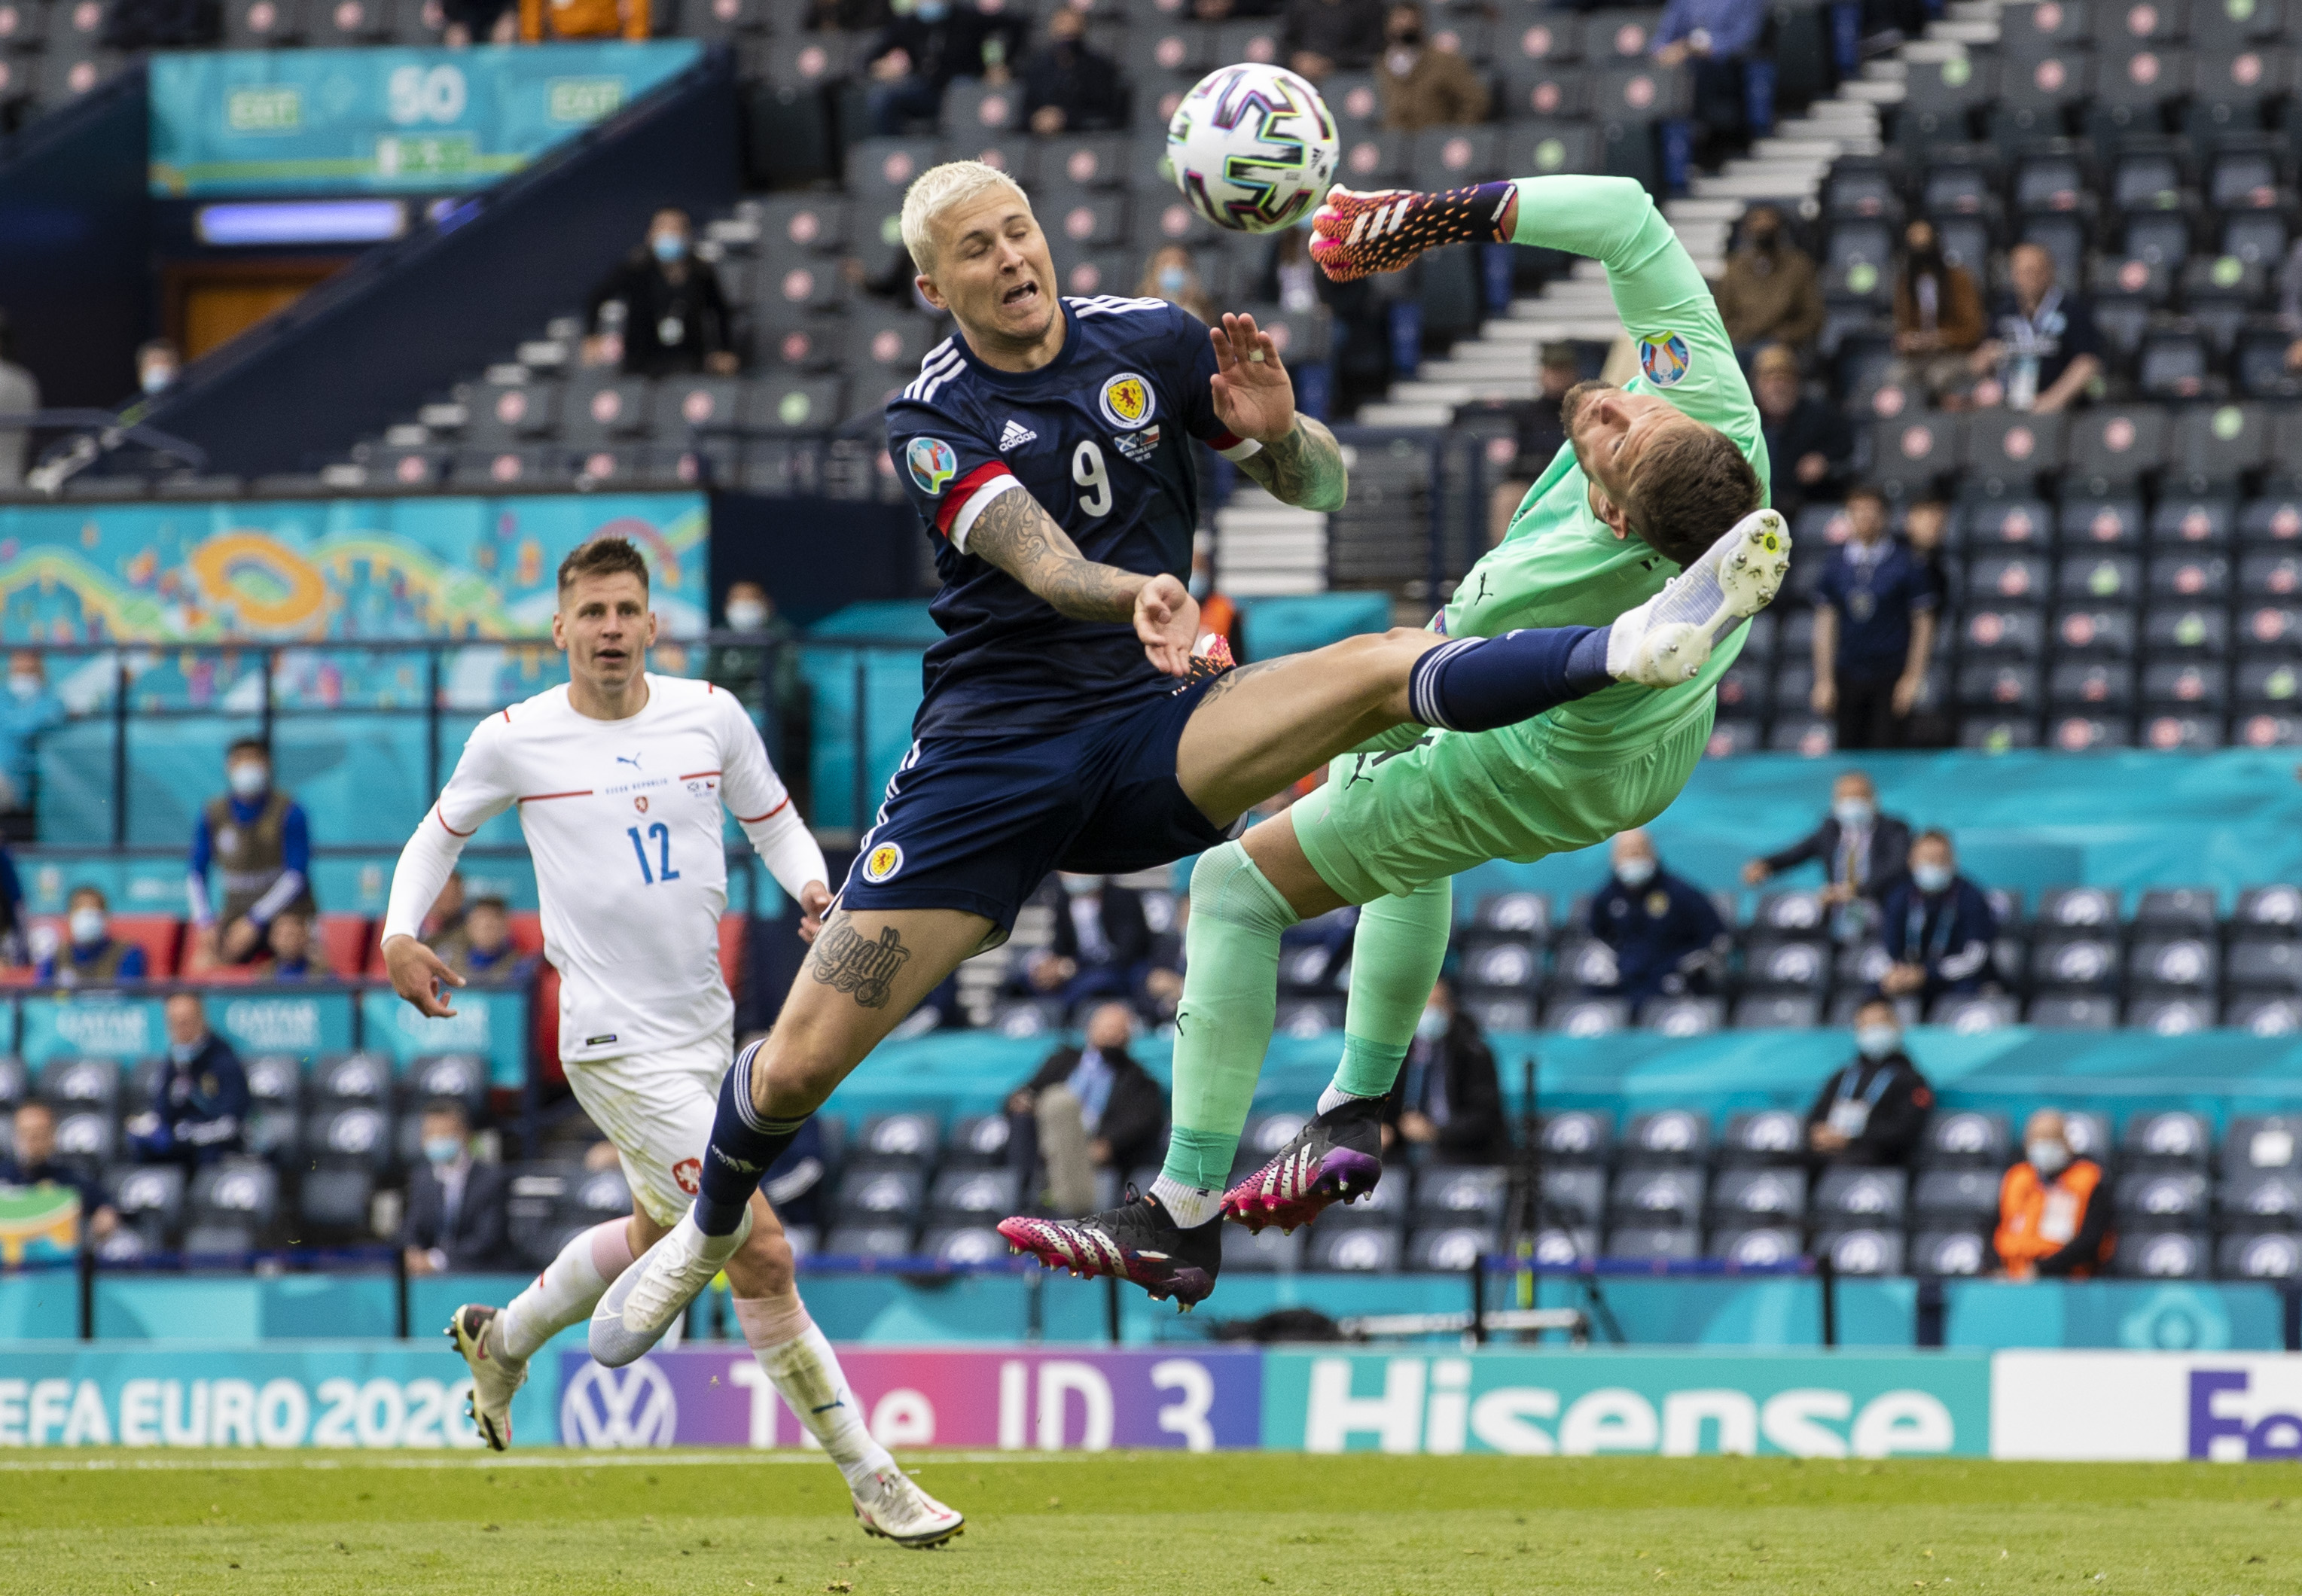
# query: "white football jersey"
x,y
622,818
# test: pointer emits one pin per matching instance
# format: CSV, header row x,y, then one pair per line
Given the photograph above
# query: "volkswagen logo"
x,y
608,1408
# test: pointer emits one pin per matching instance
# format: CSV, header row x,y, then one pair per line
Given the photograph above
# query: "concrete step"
x,y
1890,69
1958,31
1877,94
1390,413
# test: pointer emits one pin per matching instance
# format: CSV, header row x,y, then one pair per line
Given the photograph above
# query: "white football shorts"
x,y
657,1108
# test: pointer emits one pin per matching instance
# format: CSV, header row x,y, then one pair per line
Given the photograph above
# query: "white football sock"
x,y
1190,1206
566,1292
1334,1097
805,1371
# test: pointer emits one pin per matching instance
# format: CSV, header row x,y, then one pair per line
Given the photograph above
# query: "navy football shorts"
x,y
976,823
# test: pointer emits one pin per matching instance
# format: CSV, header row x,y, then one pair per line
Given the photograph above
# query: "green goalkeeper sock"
x,y
1395,959
1222,1026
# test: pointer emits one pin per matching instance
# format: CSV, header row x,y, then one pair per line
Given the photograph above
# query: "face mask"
x,y
747,617
156,378
1200,584
1082,886
24,686
2049,1158
669,246
1763,241
248,780
1635,872
444,1149
1876,1041
1853,811
1432,1025
933,11
1931,878
1173,280
87,927
1408,36
183,1053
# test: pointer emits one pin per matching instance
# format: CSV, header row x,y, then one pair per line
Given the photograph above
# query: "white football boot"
x,y
1667,639
493,1380
650,1296
890,1504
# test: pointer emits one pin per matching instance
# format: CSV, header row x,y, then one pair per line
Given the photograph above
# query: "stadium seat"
x,y
905,1140
2163,1198
1577,1137
1973,1015
2270,1255
2262,1143
1666,1136
1468,1194
349,1134
1654,1243
1270,1250
67,1084
1963,1139
1357,1248
867,1241
883,1195
1862,1250
1659,1196
1449,1249
16,1082
1755,1247
1857,1196
2074,1014
973,1195
2163,1254
151,1199
2170,1140
1762,1138
1759,1196
1576,1193
233,1202
333,1202
964,1245
1950,1253
1587,1016
978,1141
2271,910
2261,1200
1956,1199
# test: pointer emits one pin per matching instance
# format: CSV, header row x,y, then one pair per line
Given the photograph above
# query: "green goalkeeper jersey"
x,y
1559,565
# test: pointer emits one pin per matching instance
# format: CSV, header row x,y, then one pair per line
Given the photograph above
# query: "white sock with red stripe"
x,y
569,1288
806,1374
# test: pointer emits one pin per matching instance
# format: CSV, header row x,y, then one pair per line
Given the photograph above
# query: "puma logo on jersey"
x,y
633,761
1016,435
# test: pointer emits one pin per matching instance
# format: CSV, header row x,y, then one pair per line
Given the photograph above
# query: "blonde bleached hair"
x,y
938,189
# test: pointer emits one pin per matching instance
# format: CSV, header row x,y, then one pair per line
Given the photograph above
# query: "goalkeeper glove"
x,y
1354,234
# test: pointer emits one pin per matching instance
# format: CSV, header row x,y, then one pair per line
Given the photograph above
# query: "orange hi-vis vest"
x,y
2037,1219
540,20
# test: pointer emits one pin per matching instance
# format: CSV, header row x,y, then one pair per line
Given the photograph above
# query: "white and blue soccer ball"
x,y
1252,148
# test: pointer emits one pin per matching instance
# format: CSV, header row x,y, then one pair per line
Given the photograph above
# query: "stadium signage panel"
x,y
1068,1400
372,1395
1673,1404
391,119
2220,1407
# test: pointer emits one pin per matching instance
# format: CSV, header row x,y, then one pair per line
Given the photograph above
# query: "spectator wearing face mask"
x,y
1666,937
1873,1111
1087,1109
1068,87
1421,85
157,365
30,711
261,846
1936,925
1862,853
661,312
583,19
2049,1224
1937,316
89,956
1809,444
33,1164
1100,941
199,1098
456,1219
1447,1104
1171,274
1770,292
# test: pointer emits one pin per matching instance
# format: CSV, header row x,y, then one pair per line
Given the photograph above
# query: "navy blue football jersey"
x,y
1100,437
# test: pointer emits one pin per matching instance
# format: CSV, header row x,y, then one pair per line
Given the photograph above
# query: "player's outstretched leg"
x,y
1338,1154
801,1364
1667,639
497,1344
1139,1241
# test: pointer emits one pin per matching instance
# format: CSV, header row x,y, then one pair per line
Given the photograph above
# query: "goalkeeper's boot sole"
x,y
1667,639
1137,1241
1336,1157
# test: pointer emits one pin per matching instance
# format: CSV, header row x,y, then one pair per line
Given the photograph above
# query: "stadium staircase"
x,y
1788,168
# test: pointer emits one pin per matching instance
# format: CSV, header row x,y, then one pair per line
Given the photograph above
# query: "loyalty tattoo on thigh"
x,y
846,961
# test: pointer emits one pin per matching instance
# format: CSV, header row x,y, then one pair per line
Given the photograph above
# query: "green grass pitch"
x,y
1163,1524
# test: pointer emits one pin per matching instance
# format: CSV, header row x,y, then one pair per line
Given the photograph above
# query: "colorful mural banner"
x,y
339,570
384,120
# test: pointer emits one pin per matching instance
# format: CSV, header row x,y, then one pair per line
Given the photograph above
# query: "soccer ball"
x,y
1252,148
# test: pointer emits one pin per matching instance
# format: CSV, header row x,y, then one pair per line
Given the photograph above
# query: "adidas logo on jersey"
x,y
1016,435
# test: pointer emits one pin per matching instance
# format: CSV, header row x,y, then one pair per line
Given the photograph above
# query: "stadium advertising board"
x,y
362,1394
107,1025
491,1024
1199,1401
1674,1404
2223,1406
337,570
383,120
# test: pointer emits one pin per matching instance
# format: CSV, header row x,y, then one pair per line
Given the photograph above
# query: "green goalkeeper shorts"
x,y
1386,822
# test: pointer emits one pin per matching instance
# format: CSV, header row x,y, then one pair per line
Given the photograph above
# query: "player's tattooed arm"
x,y
1016,534
1305,468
